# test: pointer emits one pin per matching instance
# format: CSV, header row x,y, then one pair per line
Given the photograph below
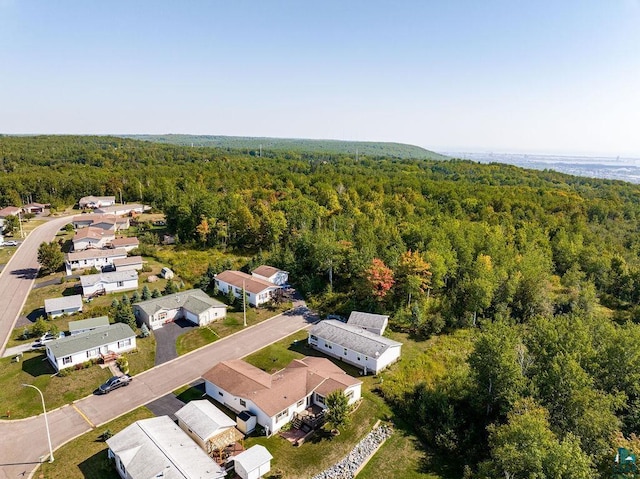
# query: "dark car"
x,y
114,383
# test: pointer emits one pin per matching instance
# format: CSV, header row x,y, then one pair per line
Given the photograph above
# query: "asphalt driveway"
x,y
166,338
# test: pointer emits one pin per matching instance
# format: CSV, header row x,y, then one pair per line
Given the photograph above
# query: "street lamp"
x,y
46,422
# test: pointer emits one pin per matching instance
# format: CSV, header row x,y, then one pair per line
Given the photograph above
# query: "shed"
x,y
253,463
209,427
374,323
246,422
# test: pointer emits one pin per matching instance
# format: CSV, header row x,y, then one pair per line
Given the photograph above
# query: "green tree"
x,y
124,314
338,409
156,293
11,224
170,287
146,293
40,327
50,257
414,274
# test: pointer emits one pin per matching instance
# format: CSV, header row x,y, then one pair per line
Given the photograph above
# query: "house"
x,y
65,305
91,237
276,399
96,201
35,208
253,463
359,347
10,211
85,325
111,282
77,349
157,447
374,323
93,258
193,305
259,291
126,243
271,274
121,210
128,263
207,425
106,222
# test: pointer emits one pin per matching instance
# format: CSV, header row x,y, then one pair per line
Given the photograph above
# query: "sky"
x,y
543,76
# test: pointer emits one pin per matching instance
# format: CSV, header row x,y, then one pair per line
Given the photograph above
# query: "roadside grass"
x,y
144,356
34,369
6,252
199,337
85,457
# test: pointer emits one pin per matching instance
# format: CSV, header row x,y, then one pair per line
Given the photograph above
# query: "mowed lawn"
x,y
86,456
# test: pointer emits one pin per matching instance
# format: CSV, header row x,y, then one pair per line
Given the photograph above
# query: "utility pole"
x,y
244,304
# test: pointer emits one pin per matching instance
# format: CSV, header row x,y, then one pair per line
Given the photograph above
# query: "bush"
x,y
107,434
63,373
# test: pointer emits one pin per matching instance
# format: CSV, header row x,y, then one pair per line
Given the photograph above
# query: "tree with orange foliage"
x,y
380,278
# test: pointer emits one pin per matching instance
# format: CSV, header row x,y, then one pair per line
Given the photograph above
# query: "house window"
x,y
220,393
319,399
243,403
162,316
120,284
282,414
124,343
350,394
92,353
345,351
314,338
300,403
358,358
66,360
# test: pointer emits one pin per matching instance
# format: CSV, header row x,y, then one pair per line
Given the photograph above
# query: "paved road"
x,y
24,442
17,276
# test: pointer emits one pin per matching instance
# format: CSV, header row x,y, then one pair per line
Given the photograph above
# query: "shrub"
x,y
63,373
146,268
107,434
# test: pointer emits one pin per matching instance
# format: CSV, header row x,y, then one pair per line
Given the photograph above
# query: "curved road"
x,y
16,279
24,442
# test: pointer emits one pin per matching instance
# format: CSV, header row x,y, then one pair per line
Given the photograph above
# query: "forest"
x,y
541,267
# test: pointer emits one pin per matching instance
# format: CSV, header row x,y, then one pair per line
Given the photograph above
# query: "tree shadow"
x,y
98,466
35,314
25,273
38,366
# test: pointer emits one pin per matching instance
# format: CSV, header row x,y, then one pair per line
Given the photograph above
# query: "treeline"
x,y
548,263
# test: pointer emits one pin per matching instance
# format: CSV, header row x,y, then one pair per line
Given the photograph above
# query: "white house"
x,y
259,291
276,399
363,349
271,274
96,201
127,243
158,448
207,425
55,307
106,222
193,305
253,463
80,348
121,210
110,282
89,258
374,323
35,208
128,263
85,325
91,237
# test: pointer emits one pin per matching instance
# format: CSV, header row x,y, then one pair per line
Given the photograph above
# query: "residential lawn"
x,y
196,338
35,301
5,253
188,393
34,369
85,457
144,356
191,264
277,355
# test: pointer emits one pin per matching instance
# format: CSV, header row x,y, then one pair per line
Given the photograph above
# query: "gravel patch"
x,y
347,467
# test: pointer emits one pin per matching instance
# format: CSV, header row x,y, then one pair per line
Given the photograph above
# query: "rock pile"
x,y
347,467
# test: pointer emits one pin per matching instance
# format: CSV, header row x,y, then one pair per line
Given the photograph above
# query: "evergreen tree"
x,y
146,293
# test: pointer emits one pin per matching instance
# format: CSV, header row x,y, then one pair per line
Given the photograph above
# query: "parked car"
x,y
10,243
46,338
337,317
114,383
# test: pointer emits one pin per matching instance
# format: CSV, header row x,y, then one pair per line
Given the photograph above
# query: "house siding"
x,y
60,312
87,355
355,358
110,287
254,299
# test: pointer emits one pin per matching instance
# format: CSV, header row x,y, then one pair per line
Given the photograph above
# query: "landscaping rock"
x,y
348,466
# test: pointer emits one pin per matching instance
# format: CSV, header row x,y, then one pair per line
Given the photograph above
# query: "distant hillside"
x,y
365,148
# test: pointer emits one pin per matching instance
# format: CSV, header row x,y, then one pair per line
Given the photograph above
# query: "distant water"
x,y
625,169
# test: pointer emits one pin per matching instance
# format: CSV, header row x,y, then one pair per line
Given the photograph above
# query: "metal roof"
x,y
90,340
96,253
352,337
368,320
238,279
90,323
157,447
65,302
110,277
204,419
195,301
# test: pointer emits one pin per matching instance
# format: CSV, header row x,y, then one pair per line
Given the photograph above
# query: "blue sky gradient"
x,y
539,77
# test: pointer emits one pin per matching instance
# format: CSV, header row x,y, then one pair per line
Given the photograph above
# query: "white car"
x,y
10,243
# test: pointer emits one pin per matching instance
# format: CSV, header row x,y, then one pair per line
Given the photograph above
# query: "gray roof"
x,y
96,253
204,419
129,260
253,458
89,323
157,445
352,337
110,277
65,302
90,340
367,320
193,300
